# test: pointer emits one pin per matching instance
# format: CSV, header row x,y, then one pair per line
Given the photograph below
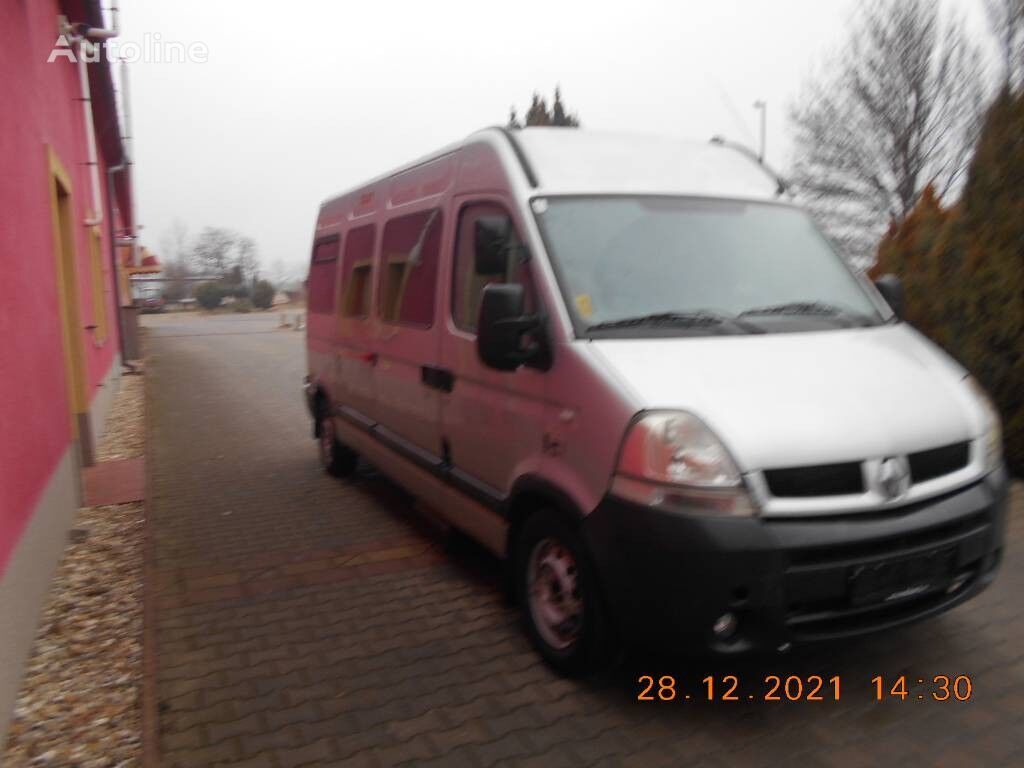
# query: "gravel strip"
x,y
79,703
126,428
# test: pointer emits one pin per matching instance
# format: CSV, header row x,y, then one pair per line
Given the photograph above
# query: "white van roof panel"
x,y
569,160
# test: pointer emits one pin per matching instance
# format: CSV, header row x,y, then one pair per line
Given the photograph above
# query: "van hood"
x,y
792,399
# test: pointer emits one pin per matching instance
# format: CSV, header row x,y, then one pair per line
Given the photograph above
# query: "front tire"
x,y
336,459
560,598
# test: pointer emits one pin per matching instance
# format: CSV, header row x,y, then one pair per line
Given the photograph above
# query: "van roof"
x,y
579,161
567,161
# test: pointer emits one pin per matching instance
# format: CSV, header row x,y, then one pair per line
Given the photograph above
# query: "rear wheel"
x,y
336,459
559,595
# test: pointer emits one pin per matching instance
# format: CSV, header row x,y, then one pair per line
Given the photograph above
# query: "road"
x,y
303,620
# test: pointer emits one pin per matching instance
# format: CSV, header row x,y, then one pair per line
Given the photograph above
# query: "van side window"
x,y
322,270
357,272
468,284
410,247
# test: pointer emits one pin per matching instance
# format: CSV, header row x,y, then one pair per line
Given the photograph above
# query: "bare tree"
x,y
174,241
212,250
175,252
247,259
1006,18
284,275
898,109
175,271
278,271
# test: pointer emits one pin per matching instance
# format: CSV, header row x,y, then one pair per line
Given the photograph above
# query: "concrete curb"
x,y
150,704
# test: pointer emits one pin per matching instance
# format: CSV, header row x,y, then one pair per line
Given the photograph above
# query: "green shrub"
x,y
209,295
263,294
241,305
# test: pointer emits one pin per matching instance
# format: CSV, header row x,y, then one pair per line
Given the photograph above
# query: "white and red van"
x,y
634,368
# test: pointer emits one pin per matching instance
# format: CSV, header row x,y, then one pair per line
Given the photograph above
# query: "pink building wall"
x,y
41,107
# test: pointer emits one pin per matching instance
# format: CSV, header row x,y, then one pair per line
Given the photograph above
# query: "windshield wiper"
x,y
819,308
696,319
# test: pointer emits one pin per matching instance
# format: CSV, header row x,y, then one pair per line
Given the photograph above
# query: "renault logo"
x,y
894,477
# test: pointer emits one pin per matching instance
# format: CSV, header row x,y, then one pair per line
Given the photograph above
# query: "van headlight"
x,y
670,459
992,434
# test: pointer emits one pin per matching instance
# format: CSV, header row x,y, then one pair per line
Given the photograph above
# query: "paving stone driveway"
x,y
307,621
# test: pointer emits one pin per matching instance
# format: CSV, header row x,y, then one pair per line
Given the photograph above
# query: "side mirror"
x,y
506,338
892,291
490,245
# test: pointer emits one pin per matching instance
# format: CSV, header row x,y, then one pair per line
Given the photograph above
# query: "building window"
x,y
468,284
322,270
357,271
410,249
99,287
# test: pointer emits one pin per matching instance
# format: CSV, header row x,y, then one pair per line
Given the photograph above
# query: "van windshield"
x,y
684,266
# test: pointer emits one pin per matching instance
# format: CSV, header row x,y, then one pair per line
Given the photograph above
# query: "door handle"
x,y
437,378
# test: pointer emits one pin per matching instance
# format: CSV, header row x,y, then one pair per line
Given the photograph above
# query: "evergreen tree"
x,y
908,250
539,114
991,337
558,114
963,268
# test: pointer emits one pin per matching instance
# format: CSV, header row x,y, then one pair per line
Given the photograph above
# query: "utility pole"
x,y
762,107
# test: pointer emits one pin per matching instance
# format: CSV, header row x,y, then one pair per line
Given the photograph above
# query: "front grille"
x,y
821,480
927,465
848,478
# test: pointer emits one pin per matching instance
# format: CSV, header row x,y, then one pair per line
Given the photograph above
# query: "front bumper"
x,y
667,577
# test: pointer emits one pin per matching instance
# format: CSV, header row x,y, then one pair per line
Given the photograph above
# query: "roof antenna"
x,y
730,105
782,186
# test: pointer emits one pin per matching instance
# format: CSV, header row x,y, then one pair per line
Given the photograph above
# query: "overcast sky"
x,y
300,100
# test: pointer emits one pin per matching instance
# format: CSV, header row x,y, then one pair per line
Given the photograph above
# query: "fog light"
x,y
725,626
